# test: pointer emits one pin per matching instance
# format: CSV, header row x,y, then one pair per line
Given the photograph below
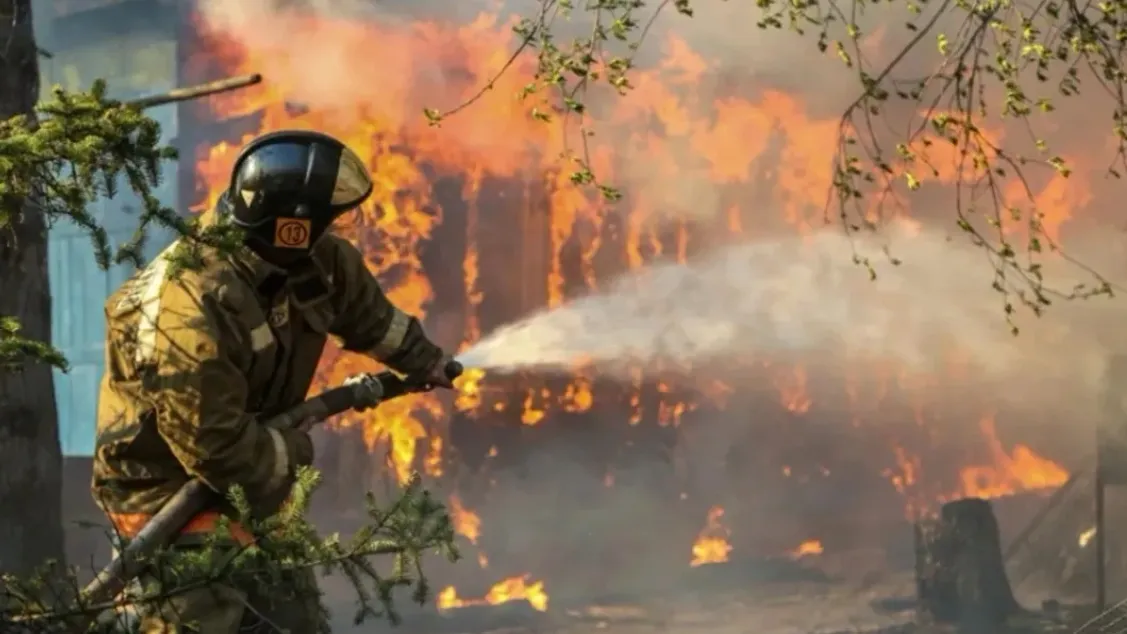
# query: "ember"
x,y
807,548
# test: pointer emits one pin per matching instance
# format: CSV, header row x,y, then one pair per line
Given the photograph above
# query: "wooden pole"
x,y
1101,555
196,92
1043,514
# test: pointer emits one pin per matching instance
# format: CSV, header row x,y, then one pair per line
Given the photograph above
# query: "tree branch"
x,y
197,91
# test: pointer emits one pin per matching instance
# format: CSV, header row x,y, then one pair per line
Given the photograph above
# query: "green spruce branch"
x,y
79,148
411,526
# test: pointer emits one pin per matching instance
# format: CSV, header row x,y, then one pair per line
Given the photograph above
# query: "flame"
x,y
711,546
511,589
432,464
808,548
1006,473
531,414
466,522
1021,470
1086,537
792,390
469,389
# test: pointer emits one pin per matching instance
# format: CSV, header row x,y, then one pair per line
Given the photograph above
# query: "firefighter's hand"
x,y
301,444
417,355
441,374
306,425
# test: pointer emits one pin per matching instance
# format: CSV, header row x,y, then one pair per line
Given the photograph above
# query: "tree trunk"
x,y
31,529
960,576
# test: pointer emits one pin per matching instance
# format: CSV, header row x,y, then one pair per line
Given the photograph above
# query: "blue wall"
x,y
134,63
78,293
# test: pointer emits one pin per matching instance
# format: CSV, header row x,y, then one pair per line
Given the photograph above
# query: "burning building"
x,y
476,222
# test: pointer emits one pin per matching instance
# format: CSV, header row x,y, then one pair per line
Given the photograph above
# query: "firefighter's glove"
x,y
300,445
418,357
436,375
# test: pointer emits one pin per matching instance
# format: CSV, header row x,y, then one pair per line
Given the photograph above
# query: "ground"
x,y
847,593
715,601
782,608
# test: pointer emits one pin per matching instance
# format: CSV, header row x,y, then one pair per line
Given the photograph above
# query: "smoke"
x,y
285,45
803,299
332,63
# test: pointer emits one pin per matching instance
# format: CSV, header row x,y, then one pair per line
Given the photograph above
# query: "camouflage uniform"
x,y
193,361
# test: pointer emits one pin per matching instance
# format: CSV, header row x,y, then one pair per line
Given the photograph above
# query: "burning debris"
x,y
512,589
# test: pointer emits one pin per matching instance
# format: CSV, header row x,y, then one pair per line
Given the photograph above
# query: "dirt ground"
x,y
846,593
781,609
713,602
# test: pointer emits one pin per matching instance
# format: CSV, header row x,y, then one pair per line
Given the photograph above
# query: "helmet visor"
x,y
353,184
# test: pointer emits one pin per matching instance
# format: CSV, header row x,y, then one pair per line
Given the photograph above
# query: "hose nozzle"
x,y
453,369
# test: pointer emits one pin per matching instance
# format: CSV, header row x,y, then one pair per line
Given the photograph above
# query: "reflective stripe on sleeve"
x,y
393,338
281,460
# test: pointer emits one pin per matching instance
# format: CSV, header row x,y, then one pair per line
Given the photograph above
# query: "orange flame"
x,y
466,522
1021,470
711,546
807,548
511,589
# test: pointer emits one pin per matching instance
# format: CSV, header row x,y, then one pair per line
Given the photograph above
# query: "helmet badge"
x,y
292,233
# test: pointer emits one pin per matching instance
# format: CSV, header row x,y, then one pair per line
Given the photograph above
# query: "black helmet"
x,y
287,188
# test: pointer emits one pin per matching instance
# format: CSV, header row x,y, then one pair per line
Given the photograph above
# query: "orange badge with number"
x,y
291,233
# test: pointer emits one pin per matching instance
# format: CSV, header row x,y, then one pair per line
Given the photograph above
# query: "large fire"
x,y
443,194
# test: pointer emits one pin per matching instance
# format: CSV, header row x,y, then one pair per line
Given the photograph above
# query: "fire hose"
x,y
360,392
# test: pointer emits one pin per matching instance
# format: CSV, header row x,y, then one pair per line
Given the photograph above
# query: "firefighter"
x,y
195,358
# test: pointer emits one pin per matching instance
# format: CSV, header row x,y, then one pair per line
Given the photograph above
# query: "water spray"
x,y
786,298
